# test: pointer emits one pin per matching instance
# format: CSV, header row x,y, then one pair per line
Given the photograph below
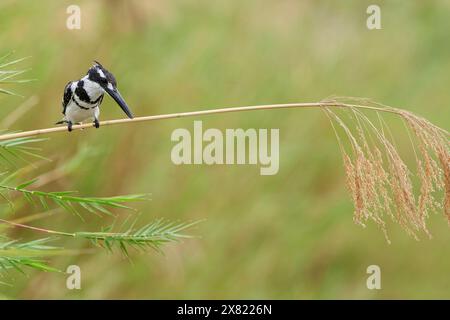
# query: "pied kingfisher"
x,y
82,98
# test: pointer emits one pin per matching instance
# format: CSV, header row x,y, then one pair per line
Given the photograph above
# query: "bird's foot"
x,y
96,123
69,125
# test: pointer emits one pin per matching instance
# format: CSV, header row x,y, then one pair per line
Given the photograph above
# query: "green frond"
x,y
8,76
68,201
17,255
10,93
152,235
18,149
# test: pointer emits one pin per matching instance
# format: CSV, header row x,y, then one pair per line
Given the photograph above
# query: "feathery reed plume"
x,y
379,181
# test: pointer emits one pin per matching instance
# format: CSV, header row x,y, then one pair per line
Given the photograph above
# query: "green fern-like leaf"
x,y
68,200
152,235
9,75
17,255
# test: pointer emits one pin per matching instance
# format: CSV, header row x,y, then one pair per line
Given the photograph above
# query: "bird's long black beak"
x,y
114,93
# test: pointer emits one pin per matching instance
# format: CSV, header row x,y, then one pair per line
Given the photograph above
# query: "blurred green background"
x,y
285,236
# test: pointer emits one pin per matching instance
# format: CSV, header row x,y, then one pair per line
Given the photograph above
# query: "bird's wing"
x,y
67,96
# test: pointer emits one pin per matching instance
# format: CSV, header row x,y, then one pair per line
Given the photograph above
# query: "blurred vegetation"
x,y
285,236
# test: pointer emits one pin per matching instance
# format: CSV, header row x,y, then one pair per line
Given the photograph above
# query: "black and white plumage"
x,y
82,98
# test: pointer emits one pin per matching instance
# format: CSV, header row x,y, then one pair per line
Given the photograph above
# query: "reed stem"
x,y
38,132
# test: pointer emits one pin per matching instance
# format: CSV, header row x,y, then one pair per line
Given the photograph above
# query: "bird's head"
x,y
105,79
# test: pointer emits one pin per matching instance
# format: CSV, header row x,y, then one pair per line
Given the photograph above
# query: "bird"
x,y
82,98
